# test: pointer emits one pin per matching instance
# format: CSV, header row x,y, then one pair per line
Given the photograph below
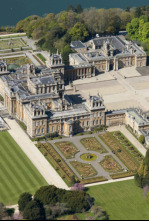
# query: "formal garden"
x,y
110,165
68,149
85,170
12,43
92,158
91,143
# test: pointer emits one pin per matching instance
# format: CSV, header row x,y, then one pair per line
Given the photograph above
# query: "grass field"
x,y
18,60
17,173
11,43
121,200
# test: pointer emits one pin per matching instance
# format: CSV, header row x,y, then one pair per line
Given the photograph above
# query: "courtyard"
x,y
125,88
95,158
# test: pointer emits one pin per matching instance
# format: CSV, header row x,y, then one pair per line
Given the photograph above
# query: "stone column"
x,y
107,65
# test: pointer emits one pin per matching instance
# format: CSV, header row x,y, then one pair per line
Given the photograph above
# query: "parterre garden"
x,y
110,165
17,173
68,149
11,43
84,169
124,150
22,60
62,156
92,144
57,161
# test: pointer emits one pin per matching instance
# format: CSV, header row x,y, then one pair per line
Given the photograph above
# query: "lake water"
x,y
14,10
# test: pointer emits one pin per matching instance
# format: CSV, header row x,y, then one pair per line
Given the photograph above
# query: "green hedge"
x,y
122,175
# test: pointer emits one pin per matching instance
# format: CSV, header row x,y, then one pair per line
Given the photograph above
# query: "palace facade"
x,y
38,99
37,96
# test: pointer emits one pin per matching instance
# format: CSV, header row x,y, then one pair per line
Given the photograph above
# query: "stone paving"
x,y
82,150
120,93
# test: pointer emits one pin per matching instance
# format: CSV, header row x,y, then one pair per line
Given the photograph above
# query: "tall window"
x,y
43,130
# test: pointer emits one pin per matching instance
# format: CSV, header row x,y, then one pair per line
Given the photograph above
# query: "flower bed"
x,y
120,150
92,144
110,165
85,170
57,162
67,149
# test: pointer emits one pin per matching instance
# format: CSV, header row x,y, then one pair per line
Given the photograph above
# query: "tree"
x,y
145,32
133,28
3,212
142,139
34,211
78,32
146,160
75,201
47,195
71,8
138,12
24,199
127,9
142,176
65,54
79,9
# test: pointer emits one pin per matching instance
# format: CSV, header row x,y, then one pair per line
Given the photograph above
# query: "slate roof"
x,y
77,44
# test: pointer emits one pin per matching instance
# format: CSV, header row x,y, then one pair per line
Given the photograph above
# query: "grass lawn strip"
x,y
42,58
85,170
17,173
121,200
11,43
18,60
92,144
68,149
110,165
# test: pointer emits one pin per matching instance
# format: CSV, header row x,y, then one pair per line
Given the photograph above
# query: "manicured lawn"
x,y
121,200
41,57
68,149
89,157
17,173
91,143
